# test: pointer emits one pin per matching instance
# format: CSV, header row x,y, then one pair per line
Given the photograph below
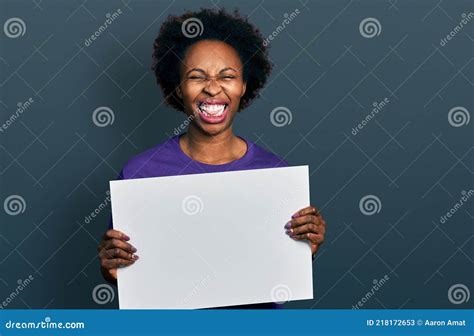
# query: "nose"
x,y
212,88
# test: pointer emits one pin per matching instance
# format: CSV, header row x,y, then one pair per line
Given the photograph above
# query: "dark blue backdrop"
x,y
394,180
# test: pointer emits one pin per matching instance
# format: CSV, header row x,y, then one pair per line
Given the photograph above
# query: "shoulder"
x,y
265,158
142,164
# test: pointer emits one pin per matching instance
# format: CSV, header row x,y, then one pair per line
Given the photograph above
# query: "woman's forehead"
x,y
212,55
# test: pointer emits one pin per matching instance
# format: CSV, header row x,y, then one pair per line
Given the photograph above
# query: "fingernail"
x,y
289,232
288,225
295,215
134,249
125,237
135,257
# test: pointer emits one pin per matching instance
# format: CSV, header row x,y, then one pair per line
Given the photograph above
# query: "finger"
x,y
111,243
302,221
115,263
110,234
311,237
117,253
307,228
310,210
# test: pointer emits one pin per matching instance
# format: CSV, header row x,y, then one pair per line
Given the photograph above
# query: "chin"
x,y
213,130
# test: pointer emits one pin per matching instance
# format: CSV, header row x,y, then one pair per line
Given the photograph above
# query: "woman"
x,y
210,75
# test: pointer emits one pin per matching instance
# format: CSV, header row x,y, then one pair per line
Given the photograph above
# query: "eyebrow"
x,y
202,71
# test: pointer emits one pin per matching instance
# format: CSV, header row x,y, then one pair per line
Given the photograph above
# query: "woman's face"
x,y
211,85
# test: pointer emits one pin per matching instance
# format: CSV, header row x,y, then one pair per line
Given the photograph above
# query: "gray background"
x,y
326,73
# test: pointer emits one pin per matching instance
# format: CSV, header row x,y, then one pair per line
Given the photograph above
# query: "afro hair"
x,y
178,33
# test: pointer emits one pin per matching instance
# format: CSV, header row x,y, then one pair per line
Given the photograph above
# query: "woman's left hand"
x,y
307,224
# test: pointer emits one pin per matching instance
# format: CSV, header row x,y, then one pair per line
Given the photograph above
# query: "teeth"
x,y
212,110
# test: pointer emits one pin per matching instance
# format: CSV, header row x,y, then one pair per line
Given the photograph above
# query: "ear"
x,y
244,88
179,93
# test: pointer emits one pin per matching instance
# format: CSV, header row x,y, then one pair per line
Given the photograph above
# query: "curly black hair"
x,y
177,33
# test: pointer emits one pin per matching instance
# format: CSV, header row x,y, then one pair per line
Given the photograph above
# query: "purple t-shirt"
x,y
168,159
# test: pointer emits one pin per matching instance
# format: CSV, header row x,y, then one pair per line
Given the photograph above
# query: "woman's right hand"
x,y
114,252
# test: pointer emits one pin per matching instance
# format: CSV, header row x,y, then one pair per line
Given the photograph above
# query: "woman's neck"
x,y
212,149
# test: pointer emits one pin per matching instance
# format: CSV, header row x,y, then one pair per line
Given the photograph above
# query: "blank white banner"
x,y
211,240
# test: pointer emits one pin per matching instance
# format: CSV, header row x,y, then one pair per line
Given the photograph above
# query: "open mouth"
x,y
212,112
